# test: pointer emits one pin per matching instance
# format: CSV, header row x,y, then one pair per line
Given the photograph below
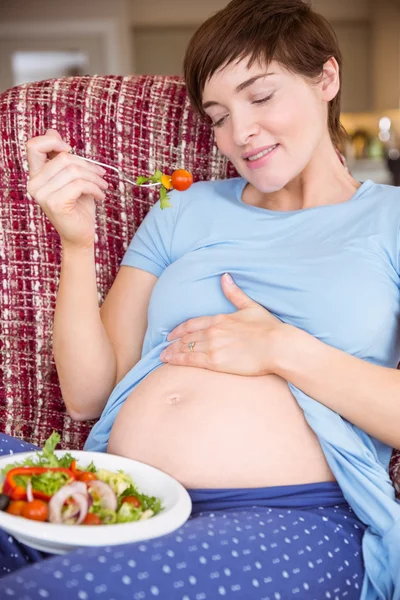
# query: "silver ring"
x,y
191,346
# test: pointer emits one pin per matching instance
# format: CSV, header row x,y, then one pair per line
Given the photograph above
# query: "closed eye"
x,y
262,101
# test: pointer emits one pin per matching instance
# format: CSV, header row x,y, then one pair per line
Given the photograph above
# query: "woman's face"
x,y
268,110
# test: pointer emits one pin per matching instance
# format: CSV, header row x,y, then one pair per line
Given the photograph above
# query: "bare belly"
x,y
211,430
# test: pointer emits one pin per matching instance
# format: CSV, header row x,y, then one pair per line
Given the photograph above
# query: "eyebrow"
x,y
239,88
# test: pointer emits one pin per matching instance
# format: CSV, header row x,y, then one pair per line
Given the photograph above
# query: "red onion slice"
x,y
73,490
105,492
79,486
29,493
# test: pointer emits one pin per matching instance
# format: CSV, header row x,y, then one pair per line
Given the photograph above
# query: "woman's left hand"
x,y
243,343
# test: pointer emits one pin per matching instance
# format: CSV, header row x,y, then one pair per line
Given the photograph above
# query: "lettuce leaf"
x,y
44,458
50,482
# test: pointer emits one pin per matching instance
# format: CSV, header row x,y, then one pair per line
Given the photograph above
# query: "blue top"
x,y
332,271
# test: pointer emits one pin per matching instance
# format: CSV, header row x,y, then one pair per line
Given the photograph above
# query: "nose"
x,y
244,128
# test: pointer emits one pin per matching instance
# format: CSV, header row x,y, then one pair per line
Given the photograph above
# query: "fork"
x,y
120,173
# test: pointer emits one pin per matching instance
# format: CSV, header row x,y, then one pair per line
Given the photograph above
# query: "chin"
x,y
264,182
268,184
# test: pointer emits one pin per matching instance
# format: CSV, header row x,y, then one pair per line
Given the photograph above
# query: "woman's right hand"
x,y
65,187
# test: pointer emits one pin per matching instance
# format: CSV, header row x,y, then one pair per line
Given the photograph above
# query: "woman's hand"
x,y
245,342
65,187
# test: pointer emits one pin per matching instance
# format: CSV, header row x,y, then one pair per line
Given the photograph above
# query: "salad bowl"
x,y
59,538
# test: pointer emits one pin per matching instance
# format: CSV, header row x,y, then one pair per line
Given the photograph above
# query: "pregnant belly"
x,y
210,430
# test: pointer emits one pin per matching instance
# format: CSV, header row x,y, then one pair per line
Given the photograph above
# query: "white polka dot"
x,y
285,574
203,560
166,569
131,563
154,590
227,572
178,584
58,574
10,592
126,580
82,595
89,576
192,580
256,583
222,591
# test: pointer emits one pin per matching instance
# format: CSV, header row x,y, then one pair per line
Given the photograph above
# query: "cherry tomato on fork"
x,y
181,180
166,181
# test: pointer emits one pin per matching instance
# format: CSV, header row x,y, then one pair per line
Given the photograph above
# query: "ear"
x,y
330,81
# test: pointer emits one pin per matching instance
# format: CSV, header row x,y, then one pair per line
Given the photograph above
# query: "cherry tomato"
x,y
86,476
166,181
132,500
181,180
91,519
15,507
37,510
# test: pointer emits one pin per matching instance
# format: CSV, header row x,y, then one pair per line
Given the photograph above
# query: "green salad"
x,y
59,490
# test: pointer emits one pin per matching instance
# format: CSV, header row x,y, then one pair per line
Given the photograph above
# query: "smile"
x,y
261,154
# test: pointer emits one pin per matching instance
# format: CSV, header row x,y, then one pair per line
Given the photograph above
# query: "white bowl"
x,y
59,539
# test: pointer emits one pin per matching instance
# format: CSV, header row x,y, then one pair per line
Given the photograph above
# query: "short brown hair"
x,y
287,31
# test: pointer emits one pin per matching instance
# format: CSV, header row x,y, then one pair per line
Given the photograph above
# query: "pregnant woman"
x,y
248,346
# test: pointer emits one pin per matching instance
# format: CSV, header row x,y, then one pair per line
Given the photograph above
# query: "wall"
x,y
385,65
193,12
34,18
355,44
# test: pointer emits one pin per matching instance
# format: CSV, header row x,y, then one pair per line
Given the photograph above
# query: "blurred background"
x,y
42,39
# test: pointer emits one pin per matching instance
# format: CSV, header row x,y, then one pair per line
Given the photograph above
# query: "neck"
x,y
323,181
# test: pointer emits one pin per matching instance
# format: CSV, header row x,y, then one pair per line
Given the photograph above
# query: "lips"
x,y
257,151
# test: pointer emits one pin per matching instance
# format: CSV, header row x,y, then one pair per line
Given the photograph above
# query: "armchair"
x,y
137,123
